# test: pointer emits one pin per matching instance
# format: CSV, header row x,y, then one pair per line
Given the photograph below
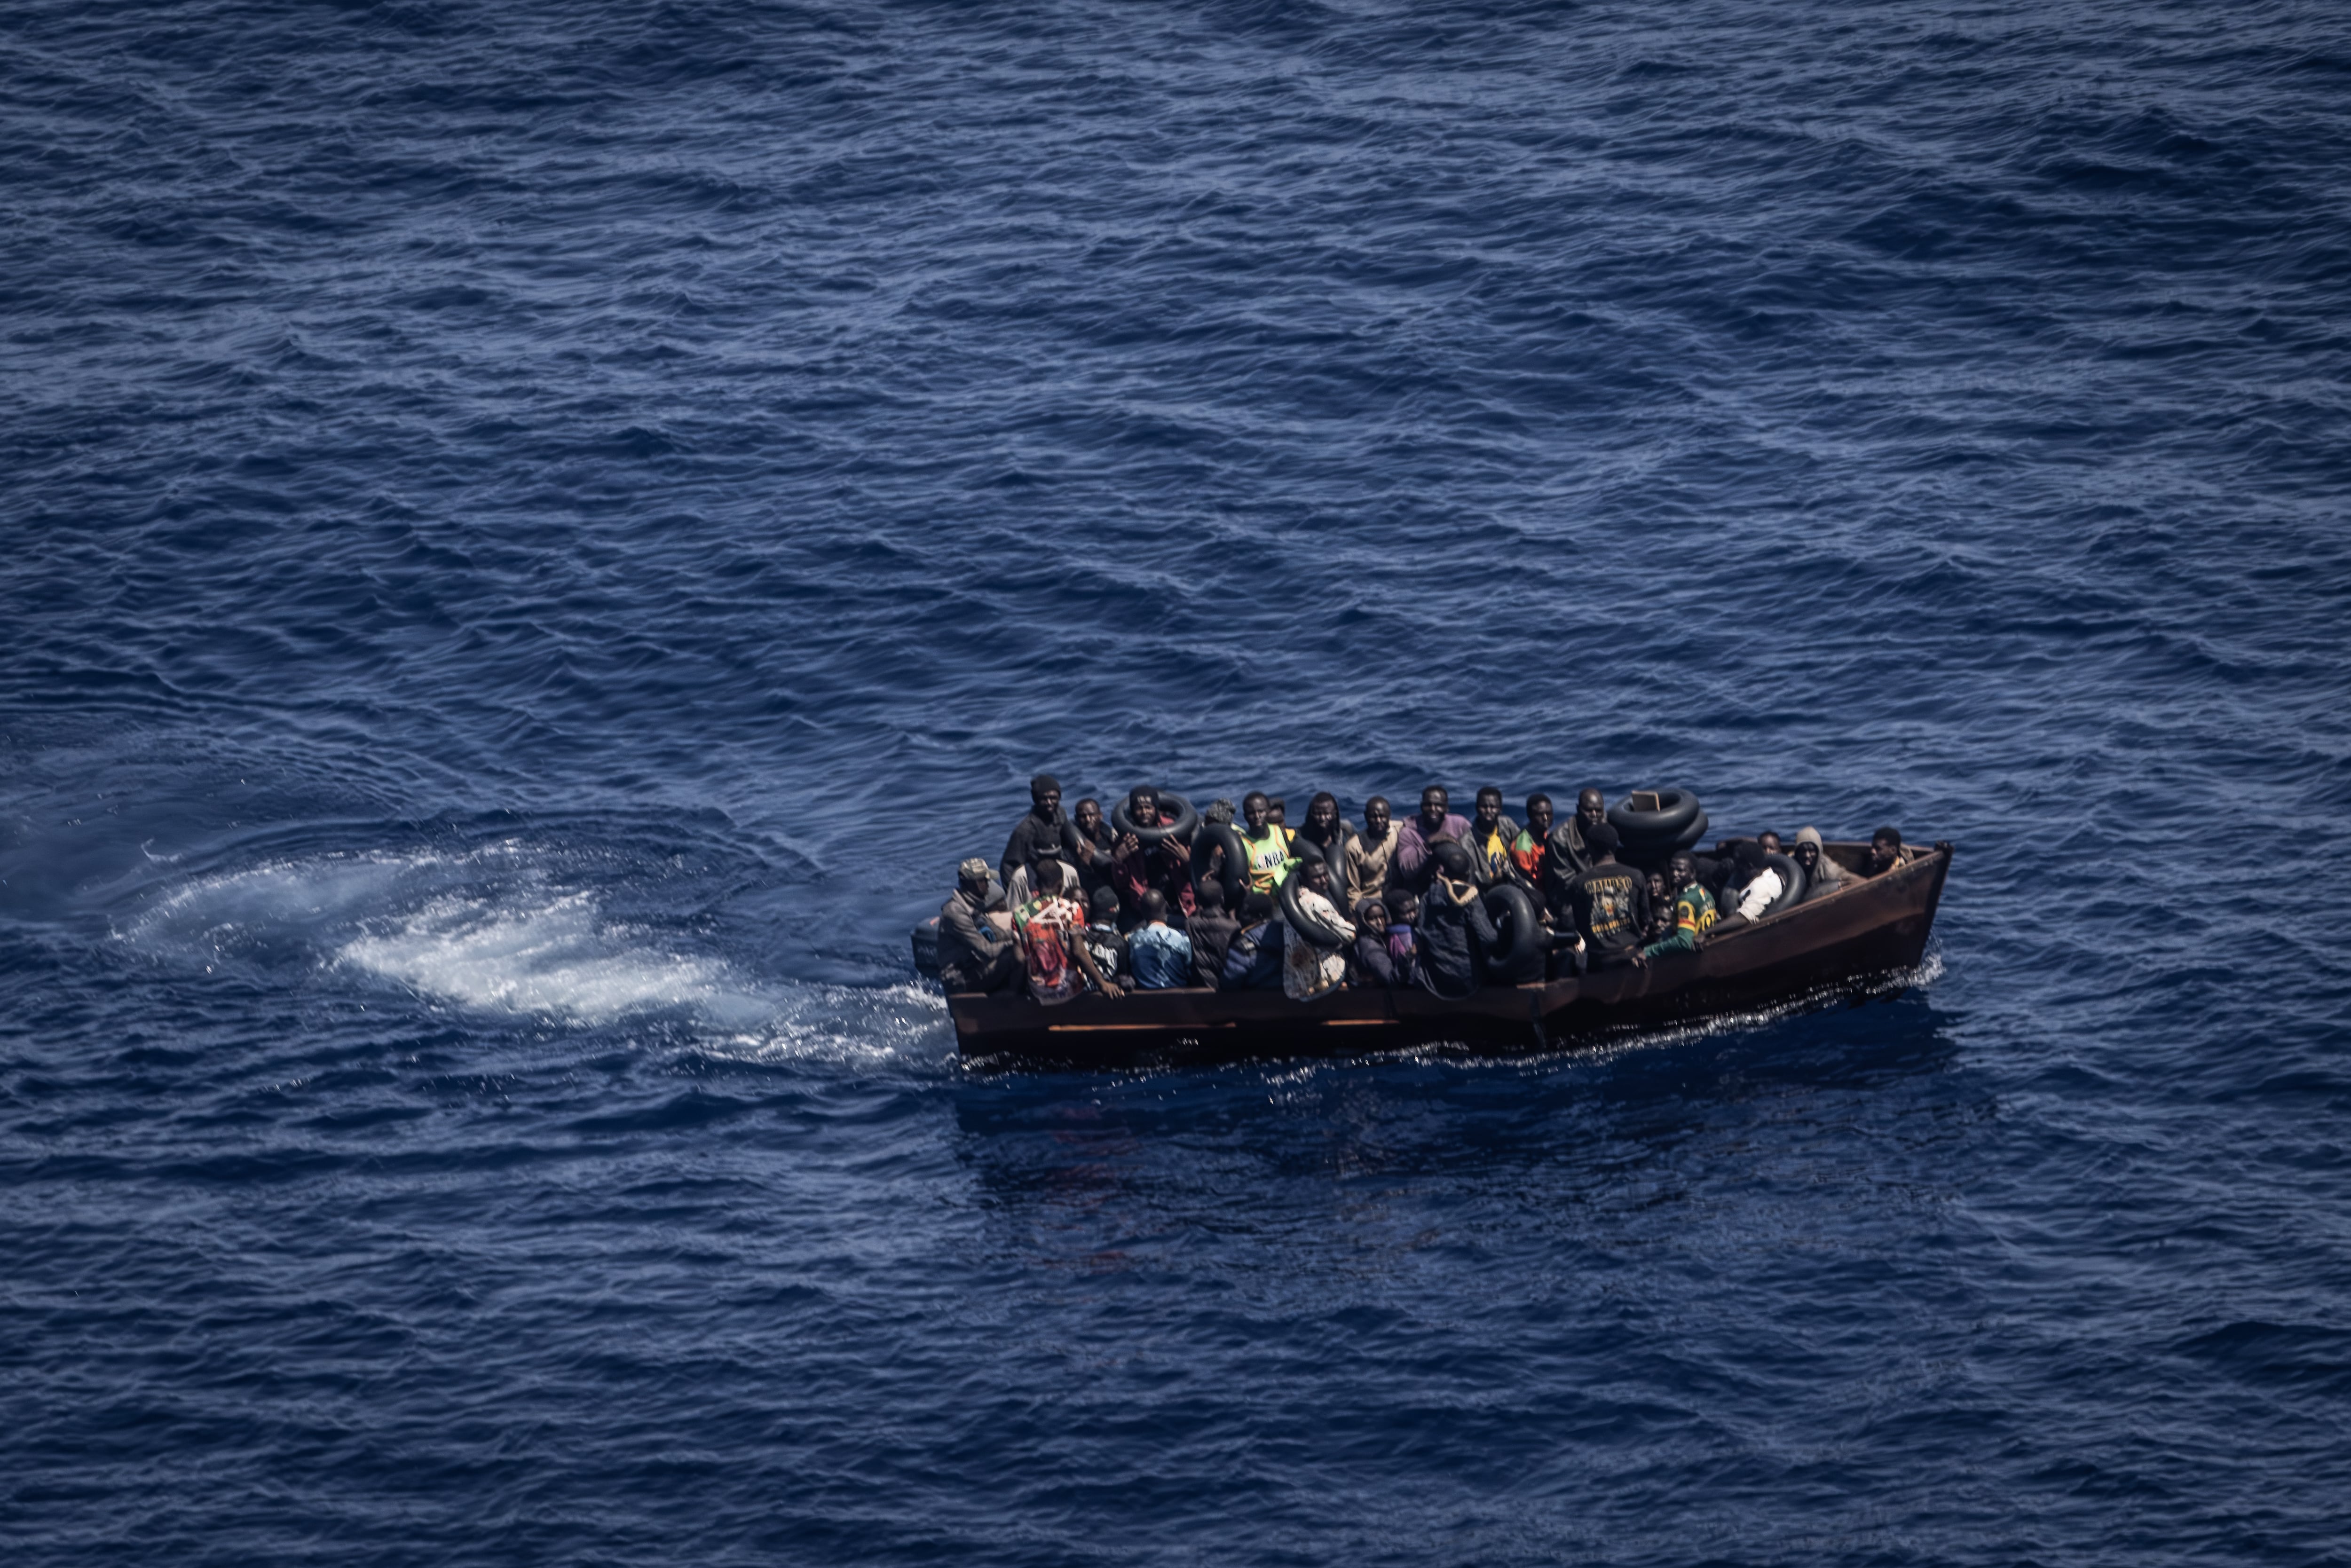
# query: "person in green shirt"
x,y
1693,911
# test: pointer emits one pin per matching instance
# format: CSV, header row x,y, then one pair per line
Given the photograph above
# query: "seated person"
x,y
1253,962
1404,941
1160,955
1821,874
1324,827
1371,854
1092,854
1693,910
1453,927
1661,910
1370,964
1052,932
1137,868
1265,844
1886,852
1414,869
1212,932
1757,886
1044,830
1104,940
1569,856
1609,905
975,953
1308,969
1490,838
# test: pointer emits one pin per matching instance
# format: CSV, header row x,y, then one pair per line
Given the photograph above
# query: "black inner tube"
x,y
1184,819
1676,808
1312,927
1520,955
1792,883
1234,876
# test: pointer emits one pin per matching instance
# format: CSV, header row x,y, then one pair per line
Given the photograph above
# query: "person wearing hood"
x,y
1454,928
1371,854
1569,856
1045,830
1821,874
1414,869
976,954
1308,968
1374,965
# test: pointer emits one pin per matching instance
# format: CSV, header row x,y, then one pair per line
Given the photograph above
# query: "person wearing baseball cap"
x,y
975,953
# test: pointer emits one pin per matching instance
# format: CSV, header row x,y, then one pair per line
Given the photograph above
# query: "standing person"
x,y
1104,940
1490,838
1569,856
1052,932
976,954
1821,874
1609,903
1413,867
1265,844
1212,932
1044,830
1693,910
1371,854
1094,843
1137,868
1308,970
1530,851
1161,955
1324,827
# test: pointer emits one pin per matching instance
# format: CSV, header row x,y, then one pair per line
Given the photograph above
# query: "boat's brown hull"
x,y
1874,928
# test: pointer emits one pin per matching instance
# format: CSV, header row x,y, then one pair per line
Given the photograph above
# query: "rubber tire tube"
x,y
1523,958
1654,826
1690,838
1334,856
1122,821
1308,925
1791,883
1236,877
1652,857
926,948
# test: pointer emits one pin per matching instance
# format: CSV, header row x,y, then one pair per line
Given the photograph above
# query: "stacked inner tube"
x,y
1649,837
1525,944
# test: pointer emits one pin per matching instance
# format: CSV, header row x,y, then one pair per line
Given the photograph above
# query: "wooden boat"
x,y
1865,930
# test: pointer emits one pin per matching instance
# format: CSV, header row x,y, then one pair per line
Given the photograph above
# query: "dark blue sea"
x,y
534,536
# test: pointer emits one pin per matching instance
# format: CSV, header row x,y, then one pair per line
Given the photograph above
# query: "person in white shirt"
x,y
1308,968
1759,887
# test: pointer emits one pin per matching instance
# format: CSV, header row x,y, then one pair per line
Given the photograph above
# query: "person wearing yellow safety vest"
x,y
1265,844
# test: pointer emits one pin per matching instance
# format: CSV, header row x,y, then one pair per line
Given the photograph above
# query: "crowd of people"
x,y
1078,903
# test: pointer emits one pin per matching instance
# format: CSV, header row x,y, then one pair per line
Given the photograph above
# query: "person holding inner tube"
x,y
1609,905
1489,837
1311,962
1137,868
1265,844
1414,869
1693,910
1453,927
1371,854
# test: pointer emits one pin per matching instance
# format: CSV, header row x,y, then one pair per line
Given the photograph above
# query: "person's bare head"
x,y
1591,808
1045,877
1277,810
1769,841
1323,814
1315,872
1143,806
1489,807
1154,907
1088,816
1045,794
1433,802
1539,816
1680,872
1256,810
1375,817
1884,849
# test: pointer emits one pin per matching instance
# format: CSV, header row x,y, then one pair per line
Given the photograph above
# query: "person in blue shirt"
x,y
1160,955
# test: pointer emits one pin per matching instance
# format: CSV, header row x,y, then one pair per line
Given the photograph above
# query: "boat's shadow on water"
x,y
1556,1118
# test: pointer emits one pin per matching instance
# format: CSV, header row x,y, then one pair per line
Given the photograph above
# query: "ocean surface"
x,y
536,535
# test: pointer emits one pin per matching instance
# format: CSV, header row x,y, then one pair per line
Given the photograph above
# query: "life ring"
x,y
1186,819
1792,883
1677,808
1312,927
1334,856
1234,876
1690,838
1523,947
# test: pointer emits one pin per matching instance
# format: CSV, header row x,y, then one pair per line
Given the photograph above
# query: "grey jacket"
x,y
967,941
